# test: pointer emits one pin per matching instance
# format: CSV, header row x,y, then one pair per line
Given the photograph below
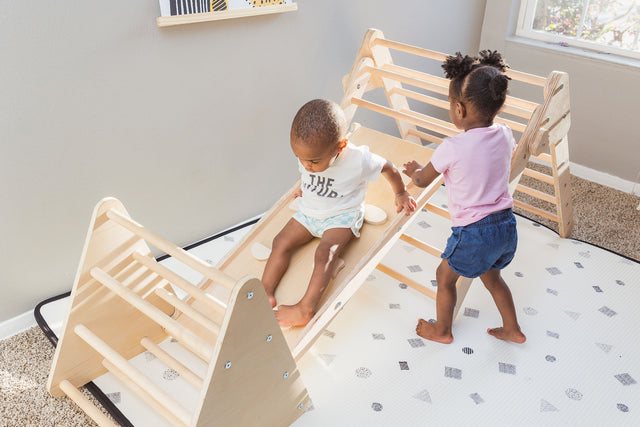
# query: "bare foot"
x,y
429,331
293,315
502,334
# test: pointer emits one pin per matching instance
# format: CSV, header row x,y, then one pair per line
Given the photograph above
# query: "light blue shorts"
x,y
352,220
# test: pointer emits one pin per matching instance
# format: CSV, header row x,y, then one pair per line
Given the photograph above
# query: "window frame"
x,y
524,29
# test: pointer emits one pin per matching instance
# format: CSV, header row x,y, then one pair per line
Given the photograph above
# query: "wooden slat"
x,y
407,281
425,136
180,282
537,211
172,362
86,405
424,121
437,88
178,253
421,97
439,56
144,394
517,126
133,374
421,245
543,157
189,311
450,127
538,175
437,210
536,193
187,338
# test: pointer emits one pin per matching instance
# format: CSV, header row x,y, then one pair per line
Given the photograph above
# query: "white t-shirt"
x,y
342,186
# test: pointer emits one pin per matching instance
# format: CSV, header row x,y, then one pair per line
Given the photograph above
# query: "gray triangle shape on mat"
x,y
573,314
327,358
546,406
605,347
424,396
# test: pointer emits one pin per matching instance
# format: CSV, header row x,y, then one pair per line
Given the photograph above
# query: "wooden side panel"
x,y
253,379
109,247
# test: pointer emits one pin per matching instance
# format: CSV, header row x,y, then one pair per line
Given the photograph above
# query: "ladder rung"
x,y
537,211
536,193
188,311
543,157
191,341
144,394
407,281
180,282
538,175
171,249
86,405
421,245
172,362
425,136
437,210
134,376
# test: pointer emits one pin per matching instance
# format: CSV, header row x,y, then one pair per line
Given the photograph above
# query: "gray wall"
x,y
604,95
188,126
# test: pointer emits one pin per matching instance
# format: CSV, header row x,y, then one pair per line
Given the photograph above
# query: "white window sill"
x,y
579,52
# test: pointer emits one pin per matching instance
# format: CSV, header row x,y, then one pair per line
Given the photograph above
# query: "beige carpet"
x,y
603,217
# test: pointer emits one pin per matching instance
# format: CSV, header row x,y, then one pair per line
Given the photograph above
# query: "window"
x,y
610,26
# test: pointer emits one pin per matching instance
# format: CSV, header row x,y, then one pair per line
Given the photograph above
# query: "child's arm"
x,y
421,176
403,201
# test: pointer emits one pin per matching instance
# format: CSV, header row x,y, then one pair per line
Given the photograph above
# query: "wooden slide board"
x,y
358,255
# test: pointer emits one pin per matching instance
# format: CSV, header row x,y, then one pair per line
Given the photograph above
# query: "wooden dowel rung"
x,y
450,127
527,78
172,362
518,127
437,210
538,175
86,405
439,56
403,117
407,281
421,245
440,81
420,97
191,341
537,211
132,373
425,136
180,282
536,193
443,90
414,50
144,394
189,311
544,157
171,249
516,111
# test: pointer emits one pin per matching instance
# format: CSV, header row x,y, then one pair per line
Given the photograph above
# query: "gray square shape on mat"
x,y
450,372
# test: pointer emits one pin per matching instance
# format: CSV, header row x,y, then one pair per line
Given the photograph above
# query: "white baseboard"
x,y
15,325
605,179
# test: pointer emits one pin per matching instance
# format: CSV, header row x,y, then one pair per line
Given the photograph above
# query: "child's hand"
x,y
410,168
297,193
405,202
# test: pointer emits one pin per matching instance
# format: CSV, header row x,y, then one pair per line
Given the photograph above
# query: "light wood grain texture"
x,y
86,405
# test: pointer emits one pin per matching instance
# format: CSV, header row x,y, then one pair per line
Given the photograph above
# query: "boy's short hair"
x,y
319,121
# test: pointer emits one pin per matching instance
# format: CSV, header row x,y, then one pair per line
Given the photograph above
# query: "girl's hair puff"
x,y
479,81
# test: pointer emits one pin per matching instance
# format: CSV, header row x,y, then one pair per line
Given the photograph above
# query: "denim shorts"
x,y
488,244
352,220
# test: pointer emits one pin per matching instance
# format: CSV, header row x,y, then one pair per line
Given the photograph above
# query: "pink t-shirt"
x,y
476,166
